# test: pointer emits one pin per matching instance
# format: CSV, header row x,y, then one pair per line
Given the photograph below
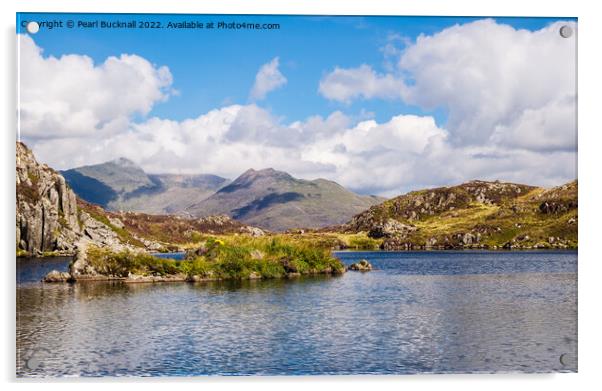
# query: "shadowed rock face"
x,y
47,216
277,201
90,189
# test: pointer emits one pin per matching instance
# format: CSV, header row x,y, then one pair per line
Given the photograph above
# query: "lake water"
x,y
433,312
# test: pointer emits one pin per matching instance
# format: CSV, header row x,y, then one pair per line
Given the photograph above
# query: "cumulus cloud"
x,y
488,75
405,152
507,120
71,96
268,79
490,78
345,85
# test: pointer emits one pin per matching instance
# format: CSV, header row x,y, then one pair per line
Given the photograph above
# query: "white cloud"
x,y
548,128
268,79
82,114
71,96
345,85
403,153
489,77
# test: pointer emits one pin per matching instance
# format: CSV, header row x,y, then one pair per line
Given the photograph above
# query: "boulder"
x,y
361,266
56,276
254,276
289,267
254,231
390,228
196,252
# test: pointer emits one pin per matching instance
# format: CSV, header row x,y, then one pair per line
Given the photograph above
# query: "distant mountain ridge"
x,y
474,215
277,201
267,198
123,185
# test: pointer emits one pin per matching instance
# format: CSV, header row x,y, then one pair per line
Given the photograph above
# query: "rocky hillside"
x,y
277,201
166,232
476,214
122,185
48,219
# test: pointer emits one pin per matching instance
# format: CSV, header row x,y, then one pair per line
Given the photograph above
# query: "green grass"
x,y
360,241
500,225
235,257
121,264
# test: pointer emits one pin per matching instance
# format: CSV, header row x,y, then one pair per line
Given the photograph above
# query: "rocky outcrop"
x,y
474,215
557,207
420,205
389,228
48,218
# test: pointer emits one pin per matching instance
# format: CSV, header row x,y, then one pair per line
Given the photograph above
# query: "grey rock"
x,y
390,228
46,210
56,276
361,266
48,218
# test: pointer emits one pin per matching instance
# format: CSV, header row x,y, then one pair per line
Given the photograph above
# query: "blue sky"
x,y
321,58
213,68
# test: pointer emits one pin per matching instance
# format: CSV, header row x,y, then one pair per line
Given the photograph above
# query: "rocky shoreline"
x,y
65,277
215,260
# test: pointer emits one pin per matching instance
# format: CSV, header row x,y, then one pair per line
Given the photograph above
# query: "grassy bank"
x,y
236,257
321,240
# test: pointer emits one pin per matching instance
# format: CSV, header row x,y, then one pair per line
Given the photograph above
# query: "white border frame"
x,y
590,270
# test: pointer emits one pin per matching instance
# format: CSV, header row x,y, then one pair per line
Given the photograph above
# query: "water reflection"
x,y
378,322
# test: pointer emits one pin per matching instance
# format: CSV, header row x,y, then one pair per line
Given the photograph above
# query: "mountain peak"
x,y
252,174
263,171
278,201
124,162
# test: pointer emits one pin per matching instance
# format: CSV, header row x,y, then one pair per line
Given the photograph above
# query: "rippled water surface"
x,y
418,312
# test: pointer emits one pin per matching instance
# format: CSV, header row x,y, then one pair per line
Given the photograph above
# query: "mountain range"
x,y
277,201
51,218
266,198
122,185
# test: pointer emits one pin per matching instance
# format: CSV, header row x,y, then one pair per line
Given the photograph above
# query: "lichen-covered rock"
x,y
46,209
80,266
48,218
390,227
253,231
56,276
361,266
